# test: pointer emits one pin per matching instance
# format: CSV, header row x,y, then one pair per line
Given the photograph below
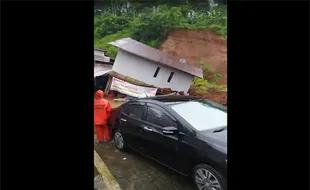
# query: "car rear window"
x,y
201,115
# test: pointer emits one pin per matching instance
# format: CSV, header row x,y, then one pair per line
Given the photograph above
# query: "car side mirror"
x,y
169,130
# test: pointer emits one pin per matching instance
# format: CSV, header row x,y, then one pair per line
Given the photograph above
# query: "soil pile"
x,y
201,45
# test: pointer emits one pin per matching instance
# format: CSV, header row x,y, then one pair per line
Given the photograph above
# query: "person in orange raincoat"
x,y
102,112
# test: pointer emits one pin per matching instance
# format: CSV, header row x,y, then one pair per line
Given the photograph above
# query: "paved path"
x,y
134,172
99,183
105,180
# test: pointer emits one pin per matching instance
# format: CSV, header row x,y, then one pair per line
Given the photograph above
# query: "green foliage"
x,y
216,78
108,24
207,72
152,24
202,86
103,42
202,64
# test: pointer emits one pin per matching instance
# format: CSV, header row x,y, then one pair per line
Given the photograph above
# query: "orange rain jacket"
x,y
102,109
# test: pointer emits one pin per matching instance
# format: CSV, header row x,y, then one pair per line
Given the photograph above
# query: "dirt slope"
x,y
196,45
201,45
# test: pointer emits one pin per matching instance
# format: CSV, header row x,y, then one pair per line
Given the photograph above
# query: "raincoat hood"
x,y
99,94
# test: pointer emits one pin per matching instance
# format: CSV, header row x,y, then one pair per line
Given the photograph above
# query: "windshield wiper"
x,y
219,130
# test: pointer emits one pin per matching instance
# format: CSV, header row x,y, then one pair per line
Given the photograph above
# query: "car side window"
x,y
159,118
134,110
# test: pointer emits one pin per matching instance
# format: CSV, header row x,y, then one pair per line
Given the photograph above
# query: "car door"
x,y
187,151
130,123
158,145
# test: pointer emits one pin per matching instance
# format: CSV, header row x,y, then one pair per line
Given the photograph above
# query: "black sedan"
x,y
186,134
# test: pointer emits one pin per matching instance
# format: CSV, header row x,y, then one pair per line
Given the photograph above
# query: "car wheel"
x,y
206,178
119,140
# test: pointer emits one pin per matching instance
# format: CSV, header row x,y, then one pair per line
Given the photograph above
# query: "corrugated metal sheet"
x,y
99,53
101,50
101,70
152,54
102,58
100,73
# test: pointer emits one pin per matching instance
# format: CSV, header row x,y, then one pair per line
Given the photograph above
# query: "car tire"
x,y
119,141
215,178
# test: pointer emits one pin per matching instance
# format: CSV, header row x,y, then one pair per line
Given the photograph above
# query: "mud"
x,y
201,45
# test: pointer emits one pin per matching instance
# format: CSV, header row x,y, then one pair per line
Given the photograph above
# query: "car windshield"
x,y
200,115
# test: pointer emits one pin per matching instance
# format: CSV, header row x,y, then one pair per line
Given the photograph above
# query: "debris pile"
x,y
168,91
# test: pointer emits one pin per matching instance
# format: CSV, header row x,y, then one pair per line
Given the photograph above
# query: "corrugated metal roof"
x,y
101,70
102,58
139,49
100,73
99,53
102,50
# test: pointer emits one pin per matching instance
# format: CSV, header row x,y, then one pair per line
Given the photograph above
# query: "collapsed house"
x,y
102,65
139,70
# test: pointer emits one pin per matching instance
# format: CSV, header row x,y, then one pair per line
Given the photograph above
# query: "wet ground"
x,y
99,183
133,171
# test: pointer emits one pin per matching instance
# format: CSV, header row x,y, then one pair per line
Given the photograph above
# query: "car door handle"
x,y
147,129
167,132
122,119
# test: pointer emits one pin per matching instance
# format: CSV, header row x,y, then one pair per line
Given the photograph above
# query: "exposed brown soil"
x,y
216,96
201,45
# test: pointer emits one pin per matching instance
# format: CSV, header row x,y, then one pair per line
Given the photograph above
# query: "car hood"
x,y
217,140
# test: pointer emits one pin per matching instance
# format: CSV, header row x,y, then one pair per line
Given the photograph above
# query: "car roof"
x,y
170,98
166,100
